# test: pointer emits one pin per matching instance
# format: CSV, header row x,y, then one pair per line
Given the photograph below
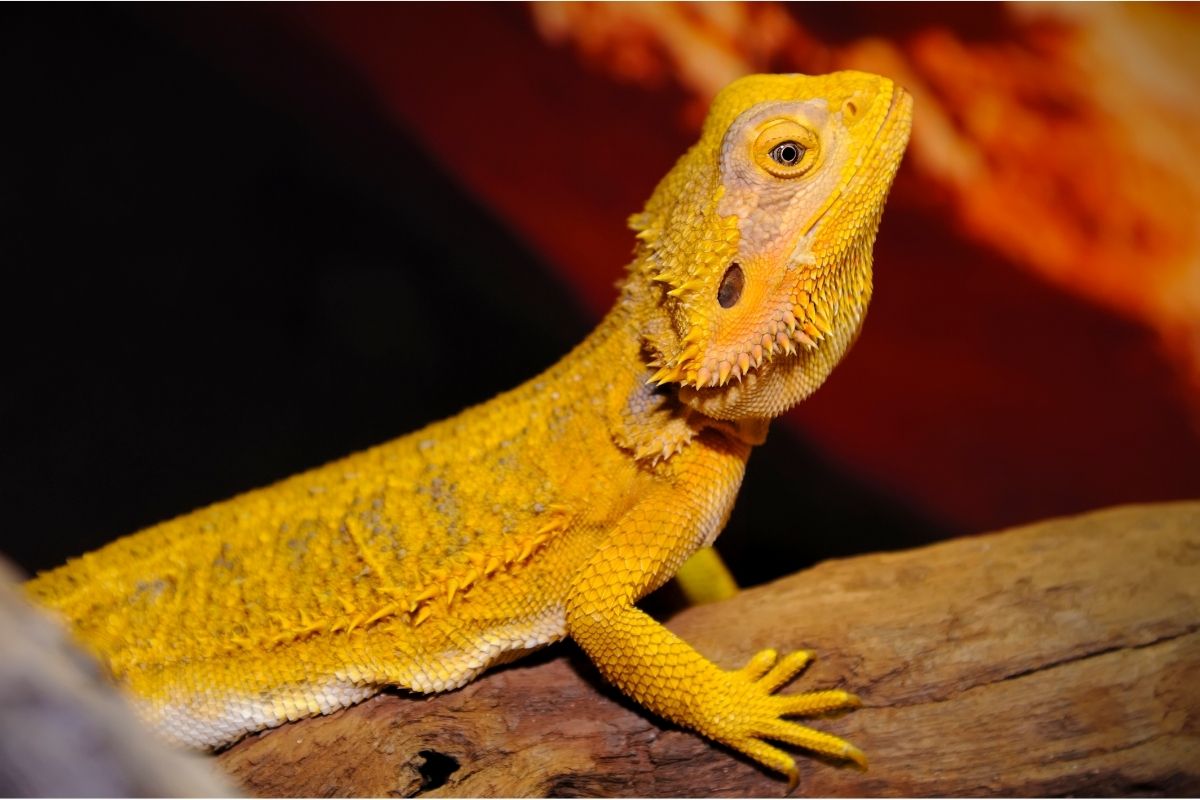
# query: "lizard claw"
x,y
757,714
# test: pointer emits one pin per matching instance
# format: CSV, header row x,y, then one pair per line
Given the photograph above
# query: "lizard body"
x,y
551,509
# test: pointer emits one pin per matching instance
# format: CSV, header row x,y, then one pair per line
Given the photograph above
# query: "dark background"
x,y
212,281
239,241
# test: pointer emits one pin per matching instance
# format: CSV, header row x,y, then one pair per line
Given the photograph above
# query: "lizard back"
x,y
223,619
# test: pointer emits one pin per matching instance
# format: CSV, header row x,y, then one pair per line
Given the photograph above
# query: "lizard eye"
x,y
788,154
785,148
730,290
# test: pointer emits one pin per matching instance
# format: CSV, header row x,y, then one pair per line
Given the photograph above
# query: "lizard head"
x,y
757,245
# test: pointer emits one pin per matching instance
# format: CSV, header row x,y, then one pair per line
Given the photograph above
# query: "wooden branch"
x,y
1058,658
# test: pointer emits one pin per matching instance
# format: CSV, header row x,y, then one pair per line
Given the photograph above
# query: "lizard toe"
x,y
785,669
771,757
817,741
810,703
760,664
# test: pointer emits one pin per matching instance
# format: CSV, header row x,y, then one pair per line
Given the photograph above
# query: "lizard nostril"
x,y
730,290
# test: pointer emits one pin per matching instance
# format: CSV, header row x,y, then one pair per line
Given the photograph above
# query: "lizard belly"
x,y
221,712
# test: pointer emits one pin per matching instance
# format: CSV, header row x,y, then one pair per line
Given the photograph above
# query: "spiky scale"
x,y
723,370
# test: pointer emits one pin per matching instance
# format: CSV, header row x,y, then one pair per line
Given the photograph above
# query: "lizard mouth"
x,y
901,100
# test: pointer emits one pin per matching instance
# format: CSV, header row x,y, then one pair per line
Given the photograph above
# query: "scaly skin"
x,y
550,510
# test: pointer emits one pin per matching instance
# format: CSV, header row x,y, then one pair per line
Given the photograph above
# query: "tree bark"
x,y
1058,658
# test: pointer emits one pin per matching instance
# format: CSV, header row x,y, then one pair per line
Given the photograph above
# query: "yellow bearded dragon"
x,y
550,510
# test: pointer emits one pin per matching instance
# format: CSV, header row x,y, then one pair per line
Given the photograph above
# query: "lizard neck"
x,y
617,360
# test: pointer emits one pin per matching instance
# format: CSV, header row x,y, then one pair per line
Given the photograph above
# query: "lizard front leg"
x,y
738,708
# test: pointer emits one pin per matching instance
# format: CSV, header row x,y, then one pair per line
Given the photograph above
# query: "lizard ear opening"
x,y
730,290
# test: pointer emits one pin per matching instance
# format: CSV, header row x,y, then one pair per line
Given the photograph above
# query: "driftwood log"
x,y
1058,658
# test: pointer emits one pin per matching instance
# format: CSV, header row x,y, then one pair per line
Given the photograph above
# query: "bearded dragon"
x,y
550,510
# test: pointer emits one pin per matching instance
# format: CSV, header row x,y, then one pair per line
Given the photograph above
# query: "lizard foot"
x,y
753,713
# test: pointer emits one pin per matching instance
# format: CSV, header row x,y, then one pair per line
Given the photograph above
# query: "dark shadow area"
x,y
201,297
436,769
212,283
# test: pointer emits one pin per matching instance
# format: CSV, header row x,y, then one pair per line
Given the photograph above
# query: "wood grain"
x,y
1058,658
